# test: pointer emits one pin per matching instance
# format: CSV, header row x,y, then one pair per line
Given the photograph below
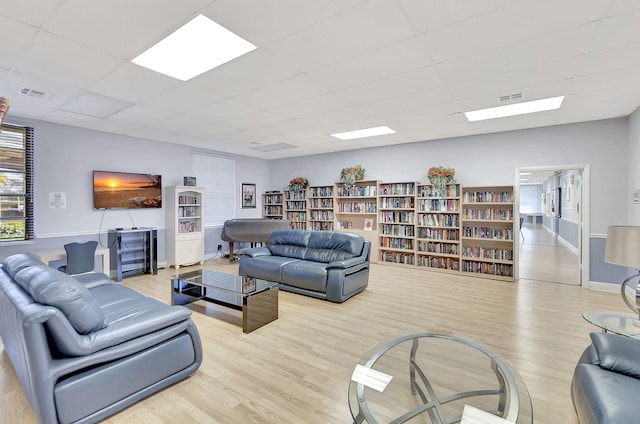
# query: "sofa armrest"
x,y
257,251
617,353
347,263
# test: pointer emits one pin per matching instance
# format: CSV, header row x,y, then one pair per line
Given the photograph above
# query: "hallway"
x,y
544,258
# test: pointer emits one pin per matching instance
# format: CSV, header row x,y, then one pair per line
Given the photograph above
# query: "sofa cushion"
x,y
617,353
328,246
306,275
267,267
289,243
49,286
14,263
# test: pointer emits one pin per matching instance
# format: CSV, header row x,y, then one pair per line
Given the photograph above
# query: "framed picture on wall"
x,y
248,195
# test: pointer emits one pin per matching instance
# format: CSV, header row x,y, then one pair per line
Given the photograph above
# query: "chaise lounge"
x,y
84,351
327,265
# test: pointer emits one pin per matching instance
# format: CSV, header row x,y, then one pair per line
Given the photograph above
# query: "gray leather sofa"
x,y
323,264
85,348
606,381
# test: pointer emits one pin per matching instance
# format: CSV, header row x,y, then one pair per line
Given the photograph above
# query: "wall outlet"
x,y
219,247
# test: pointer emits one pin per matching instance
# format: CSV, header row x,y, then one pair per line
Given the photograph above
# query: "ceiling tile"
x,y
31,12
20,35
281,93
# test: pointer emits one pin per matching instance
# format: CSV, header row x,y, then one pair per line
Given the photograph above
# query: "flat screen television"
x,y
126,190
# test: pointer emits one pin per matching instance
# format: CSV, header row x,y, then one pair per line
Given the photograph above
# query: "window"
x,y
16,183
530,198
217,176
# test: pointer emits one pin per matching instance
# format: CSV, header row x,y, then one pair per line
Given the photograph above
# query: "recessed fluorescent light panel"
x,y
195,48
515,109
367,132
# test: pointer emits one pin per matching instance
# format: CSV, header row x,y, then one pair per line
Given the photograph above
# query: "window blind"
x,y
217,176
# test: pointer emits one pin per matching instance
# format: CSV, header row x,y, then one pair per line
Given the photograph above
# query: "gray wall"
x,y
64,160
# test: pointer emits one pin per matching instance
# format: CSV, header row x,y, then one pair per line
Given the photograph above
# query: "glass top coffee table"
x,y
432,378
257,299
614,322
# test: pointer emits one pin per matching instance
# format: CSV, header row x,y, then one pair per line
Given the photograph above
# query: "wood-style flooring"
x,y
297,368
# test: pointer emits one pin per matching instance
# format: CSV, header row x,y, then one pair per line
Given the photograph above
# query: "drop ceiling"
x,y
321,67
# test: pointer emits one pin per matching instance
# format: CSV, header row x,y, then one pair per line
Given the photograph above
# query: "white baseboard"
x,y
605,287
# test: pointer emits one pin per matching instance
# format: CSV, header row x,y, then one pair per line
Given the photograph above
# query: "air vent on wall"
x,y
32,93
510,97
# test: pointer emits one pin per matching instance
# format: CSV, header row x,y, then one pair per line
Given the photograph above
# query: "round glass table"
x,y
614,322
429,378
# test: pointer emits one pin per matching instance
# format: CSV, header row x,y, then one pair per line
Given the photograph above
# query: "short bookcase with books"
x,y
438,227
396,222
272,205
320,205
488,232
356,210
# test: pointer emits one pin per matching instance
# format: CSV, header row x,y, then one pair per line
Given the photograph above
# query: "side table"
x,y
614,322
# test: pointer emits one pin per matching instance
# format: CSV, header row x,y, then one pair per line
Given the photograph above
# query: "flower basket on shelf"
x,y
439,177
298,184
352,174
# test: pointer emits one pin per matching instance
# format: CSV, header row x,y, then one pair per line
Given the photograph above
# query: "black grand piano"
x,y
250,230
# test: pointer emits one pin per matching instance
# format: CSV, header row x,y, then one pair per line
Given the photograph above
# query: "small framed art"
x,y
248,195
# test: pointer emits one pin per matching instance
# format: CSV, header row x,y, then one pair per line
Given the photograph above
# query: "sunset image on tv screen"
x,y
126,190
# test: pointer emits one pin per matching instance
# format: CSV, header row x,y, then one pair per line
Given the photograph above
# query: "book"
x,y
368,224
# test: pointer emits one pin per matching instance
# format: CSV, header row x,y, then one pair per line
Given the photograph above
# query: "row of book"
x,y
439,234
451,190
397,189
358,207
397,258
188,211
272,210
298,225
439,220
273,199
488,253
439,262
505,270
403,217
321,192
433,247
187,227
505,233
321,226
321,203
488,197
361,191
297,216
321,215
397,202
185,199
296,206
397,230
396,243
442,205
488,214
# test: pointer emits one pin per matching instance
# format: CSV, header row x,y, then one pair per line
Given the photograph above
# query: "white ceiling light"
x,y
195,48
367,132
515,109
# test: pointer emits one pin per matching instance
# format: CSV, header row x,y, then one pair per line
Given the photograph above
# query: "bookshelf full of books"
x,y
438,227
272,205
488,231
320,205
296,208
463,230
396,222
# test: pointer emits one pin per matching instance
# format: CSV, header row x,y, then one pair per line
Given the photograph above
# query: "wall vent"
x,y
510,97
32,93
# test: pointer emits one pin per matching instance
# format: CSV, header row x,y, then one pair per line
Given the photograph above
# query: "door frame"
x,y
583,225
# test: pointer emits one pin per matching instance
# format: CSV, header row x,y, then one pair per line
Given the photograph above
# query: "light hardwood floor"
x,y
297,368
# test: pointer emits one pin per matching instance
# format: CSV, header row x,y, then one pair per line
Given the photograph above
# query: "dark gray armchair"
x,y
80,257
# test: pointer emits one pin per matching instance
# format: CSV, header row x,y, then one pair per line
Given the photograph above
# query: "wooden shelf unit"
x,y
185,226
295,208
320,203
488,232
397,223
273,205
356,211
438,228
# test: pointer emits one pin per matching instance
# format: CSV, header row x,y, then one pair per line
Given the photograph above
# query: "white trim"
x,y
604,287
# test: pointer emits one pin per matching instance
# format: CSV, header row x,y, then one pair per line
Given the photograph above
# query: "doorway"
x,y
552,206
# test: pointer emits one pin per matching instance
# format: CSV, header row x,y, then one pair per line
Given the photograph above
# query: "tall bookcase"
x,y
185,226
356,211
295,207
438,227
320,207
487,231
273,205
396,222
